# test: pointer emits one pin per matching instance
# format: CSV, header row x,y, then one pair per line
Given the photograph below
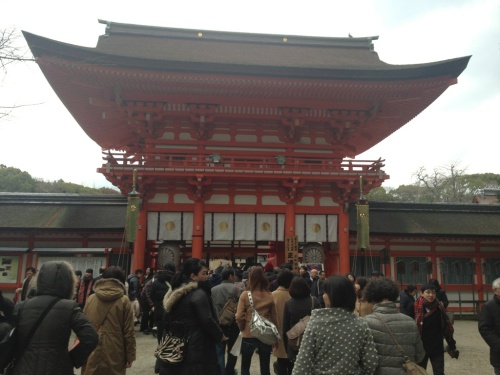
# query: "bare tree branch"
x,y
11,51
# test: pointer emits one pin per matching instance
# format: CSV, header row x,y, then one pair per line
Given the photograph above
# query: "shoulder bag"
x,y
295,334
75,352
174,344
16,351
410,367
261,328
228,312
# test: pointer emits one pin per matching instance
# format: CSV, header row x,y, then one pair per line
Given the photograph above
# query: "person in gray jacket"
x,y
220,295
383,292
47,352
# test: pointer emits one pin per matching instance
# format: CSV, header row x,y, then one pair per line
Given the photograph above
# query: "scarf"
x,y
432,307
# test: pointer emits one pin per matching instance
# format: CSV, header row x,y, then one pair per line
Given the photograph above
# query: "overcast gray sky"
x,y
461,126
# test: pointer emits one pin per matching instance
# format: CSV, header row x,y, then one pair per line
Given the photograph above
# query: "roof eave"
x,y
42,47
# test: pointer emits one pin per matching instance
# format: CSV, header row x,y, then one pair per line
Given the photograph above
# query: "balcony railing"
x,y
221,163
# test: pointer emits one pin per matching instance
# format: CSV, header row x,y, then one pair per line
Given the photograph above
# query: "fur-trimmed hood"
x,y
173,296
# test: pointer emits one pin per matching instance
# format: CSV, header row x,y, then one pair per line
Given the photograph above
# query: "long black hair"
x,y
191,265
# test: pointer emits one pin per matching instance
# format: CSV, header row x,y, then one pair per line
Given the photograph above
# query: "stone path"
x,y
474,354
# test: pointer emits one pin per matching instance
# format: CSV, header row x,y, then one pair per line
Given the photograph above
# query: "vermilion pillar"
x,y
198,225
344,261
140,241
479,273
290,219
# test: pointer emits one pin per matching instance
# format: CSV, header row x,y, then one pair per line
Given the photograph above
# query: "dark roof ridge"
x,y
240,37
431,206
60,198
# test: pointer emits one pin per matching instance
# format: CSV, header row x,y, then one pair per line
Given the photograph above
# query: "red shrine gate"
x,y
241,141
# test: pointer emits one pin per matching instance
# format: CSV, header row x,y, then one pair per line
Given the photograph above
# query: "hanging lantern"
x,y
132,212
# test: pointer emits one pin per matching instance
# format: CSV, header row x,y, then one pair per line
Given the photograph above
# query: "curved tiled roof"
x,y
431,219
62,212
73,211
161,67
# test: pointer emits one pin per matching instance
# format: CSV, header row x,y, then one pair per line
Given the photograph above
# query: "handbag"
x,y
174,344
236,348
410,367
261,328
295,334
227,315
16,350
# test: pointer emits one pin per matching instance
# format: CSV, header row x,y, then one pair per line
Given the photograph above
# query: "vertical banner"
x,y
266,227
132,218
333,224
170,226
223,227
244,227
153,229
316,229
363,220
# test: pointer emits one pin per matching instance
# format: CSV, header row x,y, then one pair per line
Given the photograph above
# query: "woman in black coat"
x,y
190,305
300,305
47,352
407,301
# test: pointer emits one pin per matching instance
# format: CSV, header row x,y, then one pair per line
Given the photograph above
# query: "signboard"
x,y
292,252
9,268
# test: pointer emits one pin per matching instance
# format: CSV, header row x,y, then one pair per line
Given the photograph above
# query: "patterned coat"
x,y
336,342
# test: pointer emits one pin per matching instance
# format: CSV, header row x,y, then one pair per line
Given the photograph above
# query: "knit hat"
x,y
269,267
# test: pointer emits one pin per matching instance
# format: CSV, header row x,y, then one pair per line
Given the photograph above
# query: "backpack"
x,y
132,292
296,333
8,344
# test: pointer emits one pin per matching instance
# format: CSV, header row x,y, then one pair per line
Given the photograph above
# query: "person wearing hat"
x,y
434,326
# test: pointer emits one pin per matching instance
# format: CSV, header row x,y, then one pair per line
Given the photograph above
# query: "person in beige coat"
x,y
110,312
283,366
263,301
362,307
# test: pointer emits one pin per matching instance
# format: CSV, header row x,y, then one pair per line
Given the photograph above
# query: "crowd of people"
x,y
356,324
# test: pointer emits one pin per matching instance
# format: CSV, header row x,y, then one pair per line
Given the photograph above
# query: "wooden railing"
x,y
250,164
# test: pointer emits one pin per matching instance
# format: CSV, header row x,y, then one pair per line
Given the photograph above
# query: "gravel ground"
x,y
473,360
